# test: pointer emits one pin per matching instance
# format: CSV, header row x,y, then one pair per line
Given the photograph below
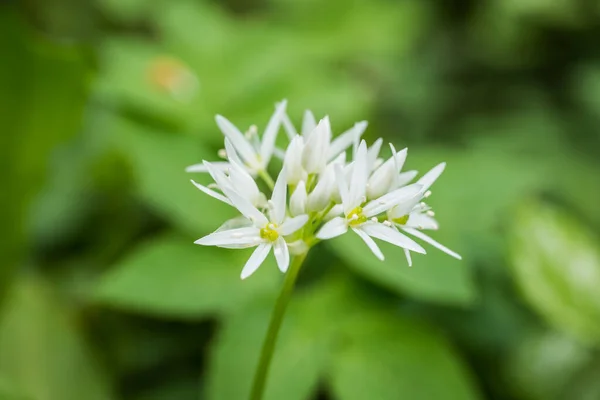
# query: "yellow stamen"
x,y
356,217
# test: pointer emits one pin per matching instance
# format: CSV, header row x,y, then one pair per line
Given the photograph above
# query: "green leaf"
x,y
41,352
171,276
301,354
556,263
41,102
385,357
442,279
159,160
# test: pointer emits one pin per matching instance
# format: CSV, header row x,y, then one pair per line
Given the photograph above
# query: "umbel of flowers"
x,y
319,193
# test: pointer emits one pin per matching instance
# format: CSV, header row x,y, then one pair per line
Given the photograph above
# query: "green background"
x,y
104,296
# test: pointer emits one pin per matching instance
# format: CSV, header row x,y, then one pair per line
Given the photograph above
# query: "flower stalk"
x,y
268,347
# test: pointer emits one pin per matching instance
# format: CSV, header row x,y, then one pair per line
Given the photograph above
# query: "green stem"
x,y
268,347
267,179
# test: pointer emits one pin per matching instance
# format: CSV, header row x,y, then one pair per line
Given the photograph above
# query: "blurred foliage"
x,y
104,296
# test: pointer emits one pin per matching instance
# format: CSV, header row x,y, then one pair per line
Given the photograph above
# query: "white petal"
x,y
298,199
429,178
232,154
336,227
321,195
403,195
242,146
346,139
405,177
237,222
400,157
293,160
288,126
382,180
256,259
218,176
279,198
220,165
335,211
291,225
391,235
316,147
373,153
421,221
282,254
343,188
360,174
370,242
244,184
268,138
247,235
309,123
432,242
246,208
408,257
212,193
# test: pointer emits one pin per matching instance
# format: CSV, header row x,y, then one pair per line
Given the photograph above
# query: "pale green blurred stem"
x,y
266,354
267,179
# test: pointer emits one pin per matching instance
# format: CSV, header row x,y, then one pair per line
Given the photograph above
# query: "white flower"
x,y
385,177
413,216
266,232
316,149
361,219
253,154
298,200
293,161
238,180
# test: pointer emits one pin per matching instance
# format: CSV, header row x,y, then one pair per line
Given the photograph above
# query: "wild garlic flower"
x,y
320,193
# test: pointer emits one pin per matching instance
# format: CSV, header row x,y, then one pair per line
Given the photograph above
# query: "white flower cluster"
x,y
318,194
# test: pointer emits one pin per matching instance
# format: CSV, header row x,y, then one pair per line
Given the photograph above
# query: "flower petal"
x,y
231,153
291,225
410,193
221,165
391,235
405,177
288,126
346,139
268,139
298,199
239,142
282,254
212,193
316,147
425,238
421,221
244,184
309,123
246,207
408,257
429,178
246,235
333,228
373,153
256,259
370,242
340,178
279,198
360,174
218,176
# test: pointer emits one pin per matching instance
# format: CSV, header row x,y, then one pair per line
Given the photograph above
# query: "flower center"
x,y
356,217
401,220
269,233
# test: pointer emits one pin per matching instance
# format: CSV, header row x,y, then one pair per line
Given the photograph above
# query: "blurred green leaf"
x,y
302,351
144,78
542,364
43,91
556,263
159,160
385,357
41,352
171,276
442,279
